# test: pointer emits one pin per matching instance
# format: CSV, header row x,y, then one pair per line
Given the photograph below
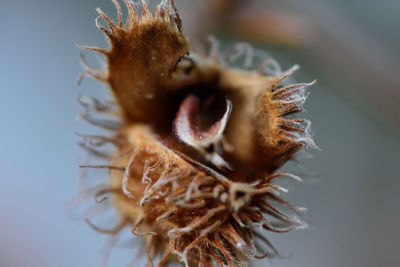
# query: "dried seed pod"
x,y
198,144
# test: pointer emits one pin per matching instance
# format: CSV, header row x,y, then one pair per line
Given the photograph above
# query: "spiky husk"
x,y
197,195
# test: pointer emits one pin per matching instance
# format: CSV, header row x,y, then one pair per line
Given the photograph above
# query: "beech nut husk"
x,y
197,140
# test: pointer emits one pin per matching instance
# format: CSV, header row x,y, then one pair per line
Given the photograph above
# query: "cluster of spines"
x,y
289,99
215,239
218,241
226,211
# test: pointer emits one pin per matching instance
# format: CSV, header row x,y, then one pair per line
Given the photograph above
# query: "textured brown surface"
x,y
198,144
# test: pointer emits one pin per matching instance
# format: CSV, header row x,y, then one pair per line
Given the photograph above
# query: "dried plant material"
x,y
198,141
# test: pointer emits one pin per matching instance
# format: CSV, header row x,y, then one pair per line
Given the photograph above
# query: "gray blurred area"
x,y
351,188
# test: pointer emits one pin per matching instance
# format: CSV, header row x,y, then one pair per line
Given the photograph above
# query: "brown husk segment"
x,y
258,129
142,56
169,190
189,206
244,88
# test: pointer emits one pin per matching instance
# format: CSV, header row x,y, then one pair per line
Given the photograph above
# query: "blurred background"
x,y
351,188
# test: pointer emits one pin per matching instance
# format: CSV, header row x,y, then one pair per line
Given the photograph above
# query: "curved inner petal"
x,y
188,131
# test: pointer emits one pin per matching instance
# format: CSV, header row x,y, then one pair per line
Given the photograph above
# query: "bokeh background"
x,y
351,188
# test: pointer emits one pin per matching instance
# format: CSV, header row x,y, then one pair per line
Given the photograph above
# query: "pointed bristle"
x,y
94,49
